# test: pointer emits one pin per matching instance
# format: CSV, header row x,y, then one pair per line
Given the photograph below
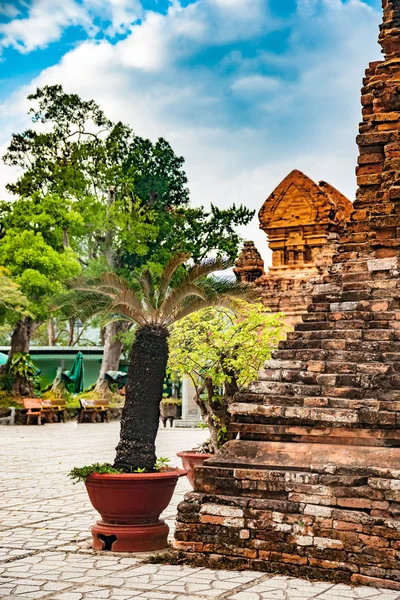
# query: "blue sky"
x,y
245,90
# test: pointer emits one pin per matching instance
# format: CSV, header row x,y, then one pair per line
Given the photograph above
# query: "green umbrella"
x,y
75,375
3,358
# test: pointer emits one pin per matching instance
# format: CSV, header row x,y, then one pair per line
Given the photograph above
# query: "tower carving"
x,y
300,219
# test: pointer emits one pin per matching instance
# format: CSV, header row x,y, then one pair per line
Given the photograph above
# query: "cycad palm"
x,y
154,308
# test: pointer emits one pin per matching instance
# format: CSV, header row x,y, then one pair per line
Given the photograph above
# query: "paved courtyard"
x,y
45,540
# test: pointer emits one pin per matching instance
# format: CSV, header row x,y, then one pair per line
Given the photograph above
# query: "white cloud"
x,y
9,11
245,122
44,24
255,84
47,20
122,13
147,47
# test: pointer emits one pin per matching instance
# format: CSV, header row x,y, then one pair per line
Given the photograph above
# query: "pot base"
x,y
130,538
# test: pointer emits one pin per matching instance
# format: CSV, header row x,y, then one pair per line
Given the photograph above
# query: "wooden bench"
x,y
94,408
47,410
34,409
53,407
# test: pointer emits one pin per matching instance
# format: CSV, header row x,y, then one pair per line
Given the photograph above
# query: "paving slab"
x,y
45,535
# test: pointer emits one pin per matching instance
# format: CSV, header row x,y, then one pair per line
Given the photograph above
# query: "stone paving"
x,y
45,540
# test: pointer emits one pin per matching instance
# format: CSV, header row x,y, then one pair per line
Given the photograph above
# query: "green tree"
x,y
39,270
126,198
221,349
154,306
82,154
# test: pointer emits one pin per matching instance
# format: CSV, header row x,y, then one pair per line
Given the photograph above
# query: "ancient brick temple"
x,y
298,218
312,487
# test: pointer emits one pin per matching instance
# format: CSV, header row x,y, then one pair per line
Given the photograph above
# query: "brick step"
x,y
288,376
321,493
373,339
337,334
360,376
316,402
328,459
287,389
388,402
304,354
312,415
359,436
329,315
365,311
386,352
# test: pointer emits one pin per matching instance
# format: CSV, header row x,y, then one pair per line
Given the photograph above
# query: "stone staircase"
x,y
311,487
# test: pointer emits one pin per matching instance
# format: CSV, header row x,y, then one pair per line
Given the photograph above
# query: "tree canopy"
x,y
72,159
37,268
12,300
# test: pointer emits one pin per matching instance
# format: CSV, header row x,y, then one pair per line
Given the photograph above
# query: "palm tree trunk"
x,y
144,389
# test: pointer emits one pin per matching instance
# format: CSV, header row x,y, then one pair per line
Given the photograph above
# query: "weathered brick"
x,y
319,448
221,511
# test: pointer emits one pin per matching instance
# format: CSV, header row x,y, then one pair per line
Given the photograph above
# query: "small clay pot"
x,y
190,460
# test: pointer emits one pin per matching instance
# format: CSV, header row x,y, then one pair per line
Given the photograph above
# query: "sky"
x,y
244,90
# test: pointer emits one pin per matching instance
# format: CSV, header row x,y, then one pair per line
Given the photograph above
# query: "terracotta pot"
x,y
130,506
190,460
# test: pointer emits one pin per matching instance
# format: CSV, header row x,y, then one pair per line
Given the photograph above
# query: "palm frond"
x,y
109,295
192,305
84,304
122,305
226,286
113,287
147,285
206,267
119,284
216,292
127,314
169,271
190,282
177,297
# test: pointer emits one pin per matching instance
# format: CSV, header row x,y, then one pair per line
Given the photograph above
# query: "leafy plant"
x,y
21,365
162,463
221,349
82,473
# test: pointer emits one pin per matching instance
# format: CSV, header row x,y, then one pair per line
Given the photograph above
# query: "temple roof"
x,y
298,200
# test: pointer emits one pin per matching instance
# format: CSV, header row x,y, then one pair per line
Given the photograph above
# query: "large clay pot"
x,y
190,460
130,506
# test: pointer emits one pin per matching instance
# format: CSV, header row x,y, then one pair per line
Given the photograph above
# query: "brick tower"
x,y
301,220
312,487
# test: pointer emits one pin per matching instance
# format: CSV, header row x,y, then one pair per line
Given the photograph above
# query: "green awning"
x,y
3,358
